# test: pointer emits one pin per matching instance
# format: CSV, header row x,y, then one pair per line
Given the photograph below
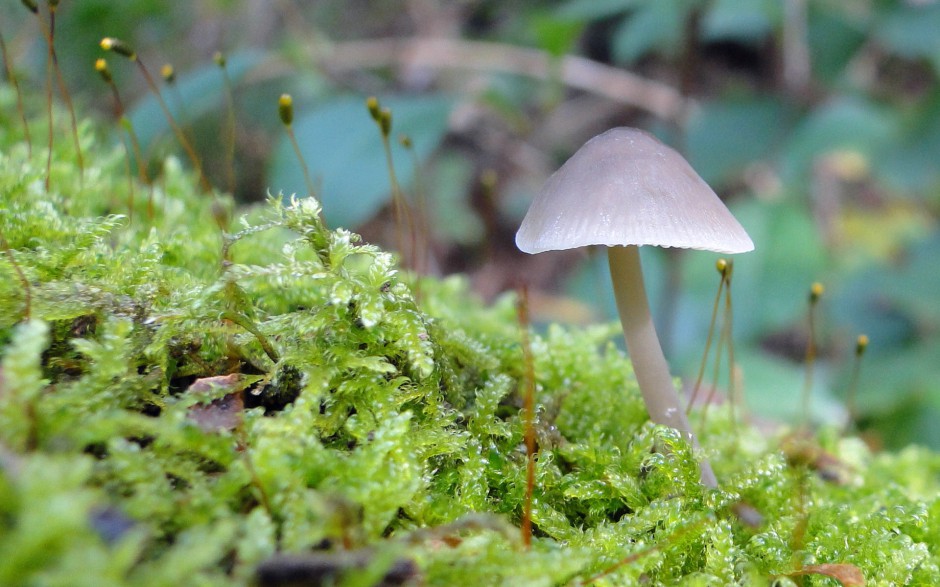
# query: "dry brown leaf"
x,y
847,574
222,413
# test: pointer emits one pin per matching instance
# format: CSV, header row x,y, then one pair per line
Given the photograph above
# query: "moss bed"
x,y
282,405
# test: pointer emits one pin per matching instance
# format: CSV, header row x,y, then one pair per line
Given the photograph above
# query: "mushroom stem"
x,y
649,364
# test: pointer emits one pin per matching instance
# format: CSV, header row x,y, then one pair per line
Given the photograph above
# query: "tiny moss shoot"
x,y
420,213
285,111
734,401
815,293
101,66
229,132
53,71
11,76
861,345
404,220
721,265
168,75
125,50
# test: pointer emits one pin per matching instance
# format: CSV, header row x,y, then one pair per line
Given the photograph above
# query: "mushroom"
x,y
624,189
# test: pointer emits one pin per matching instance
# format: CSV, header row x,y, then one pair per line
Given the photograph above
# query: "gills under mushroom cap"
x,y
624,187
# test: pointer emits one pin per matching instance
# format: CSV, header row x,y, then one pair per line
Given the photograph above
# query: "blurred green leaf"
x,y
911,31
911,163
845,123
725,137
343,149
771,282
556,35
450,213
917,285
773,389
197,94
893,378
834,38
656,25
595,9
741,20
860,305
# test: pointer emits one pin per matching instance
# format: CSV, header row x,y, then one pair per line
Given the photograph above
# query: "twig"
x,y
573,71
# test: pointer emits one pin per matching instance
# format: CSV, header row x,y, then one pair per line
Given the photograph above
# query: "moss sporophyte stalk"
x,y
170,418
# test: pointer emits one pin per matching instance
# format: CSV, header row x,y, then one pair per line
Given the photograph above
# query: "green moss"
x,y
379,428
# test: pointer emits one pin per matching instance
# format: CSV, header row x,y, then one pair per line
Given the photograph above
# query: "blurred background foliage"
x,y
818,122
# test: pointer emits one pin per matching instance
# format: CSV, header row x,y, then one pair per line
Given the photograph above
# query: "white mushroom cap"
x,y
624,187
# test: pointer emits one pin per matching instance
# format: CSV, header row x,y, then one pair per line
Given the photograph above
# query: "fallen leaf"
x,y
222,413
846,574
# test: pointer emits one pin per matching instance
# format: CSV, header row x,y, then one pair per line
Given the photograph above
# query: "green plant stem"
x,y
245,323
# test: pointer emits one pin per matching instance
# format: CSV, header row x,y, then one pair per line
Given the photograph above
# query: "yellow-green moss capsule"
x,y
488,178
119,47
372,103
385,121
31,6
101,66
815,292
168,73
285,109
405,141
861,344
219,58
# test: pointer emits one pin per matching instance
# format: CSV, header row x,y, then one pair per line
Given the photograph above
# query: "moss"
x,y
379,429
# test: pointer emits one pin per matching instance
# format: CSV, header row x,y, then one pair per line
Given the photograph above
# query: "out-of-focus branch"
x,y
573,71
797,69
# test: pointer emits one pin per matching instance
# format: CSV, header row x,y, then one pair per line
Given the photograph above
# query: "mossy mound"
x,y
278,404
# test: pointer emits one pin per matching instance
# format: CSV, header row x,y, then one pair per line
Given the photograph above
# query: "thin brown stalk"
x,y
420,211
180,136
53,61
102,67
27,290
229,124
528,414
816,292
729,337
11,75
708,339
401,210
861,344
303,164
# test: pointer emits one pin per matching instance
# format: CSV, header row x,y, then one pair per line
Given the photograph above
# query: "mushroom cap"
x,y
625,187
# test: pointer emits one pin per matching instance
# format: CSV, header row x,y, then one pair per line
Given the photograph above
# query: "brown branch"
x,y
573,71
